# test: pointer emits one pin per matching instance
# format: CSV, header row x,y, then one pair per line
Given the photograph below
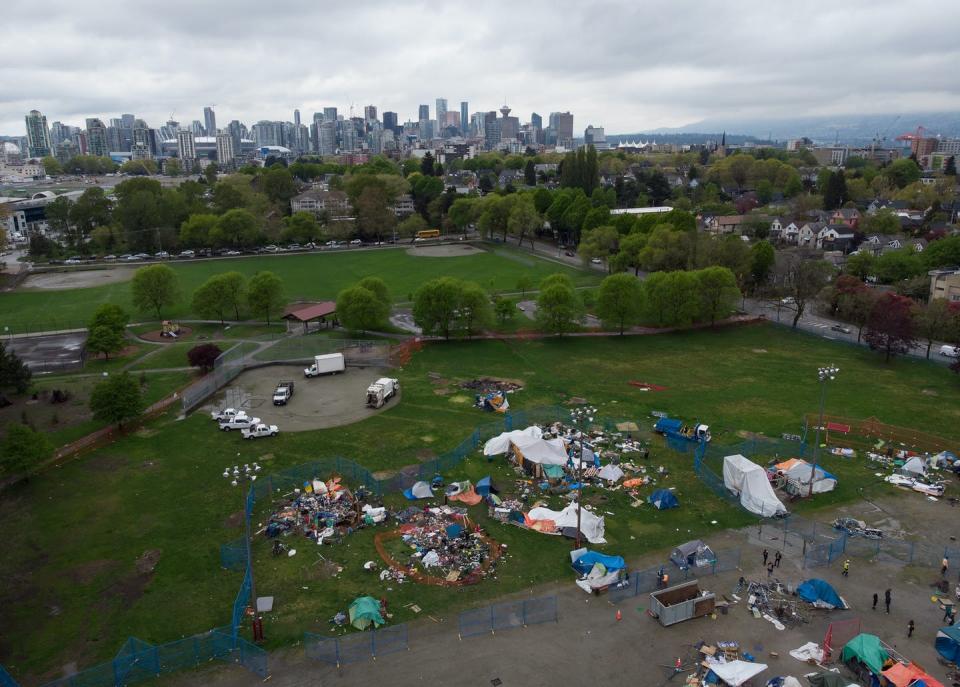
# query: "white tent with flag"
x,y
501,443
749,481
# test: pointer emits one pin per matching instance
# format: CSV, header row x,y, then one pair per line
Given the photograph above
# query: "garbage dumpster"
x,y
681,602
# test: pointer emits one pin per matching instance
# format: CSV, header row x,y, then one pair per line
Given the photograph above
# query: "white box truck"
x,y
329,364
381,390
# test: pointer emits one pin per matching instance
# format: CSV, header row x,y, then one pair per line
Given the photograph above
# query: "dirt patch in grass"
x,y
929,392
145,433
234,520
77,279
486,385
384,474
148,561
442,392
87,572
425,454
460,398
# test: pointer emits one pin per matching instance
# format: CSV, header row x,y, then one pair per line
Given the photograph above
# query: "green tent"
x,y
828,680
867,649
365,611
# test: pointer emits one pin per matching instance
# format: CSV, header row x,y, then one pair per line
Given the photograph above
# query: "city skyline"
x,y
635,68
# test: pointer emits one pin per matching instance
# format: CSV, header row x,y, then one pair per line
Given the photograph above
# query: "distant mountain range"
x,y
847,129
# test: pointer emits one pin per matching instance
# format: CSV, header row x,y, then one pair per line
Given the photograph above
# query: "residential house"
x,y
945,283
511,176
835,237
789,232
847,216
334,204
807,236
725,224
775,228
463,181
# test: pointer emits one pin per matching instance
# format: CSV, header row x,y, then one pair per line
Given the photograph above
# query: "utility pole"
x,y
824,374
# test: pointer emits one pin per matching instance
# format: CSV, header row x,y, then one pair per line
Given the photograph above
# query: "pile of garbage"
x,y
486,385
443,547
324,512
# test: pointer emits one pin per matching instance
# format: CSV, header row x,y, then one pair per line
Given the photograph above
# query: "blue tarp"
x,y
948,643
666,424
584,563
663,498
483,487
815,590
454,531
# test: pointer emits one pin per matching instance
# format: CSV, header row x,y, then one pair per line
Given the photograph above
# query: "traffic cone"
x,y
619,615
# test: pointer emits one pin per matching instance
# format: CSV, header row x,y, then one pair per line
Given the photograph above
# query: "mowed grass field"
x,y
318,276
72,536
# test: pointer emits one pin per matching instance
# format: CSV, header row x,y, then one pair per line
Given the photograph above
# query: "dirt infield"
x,y
318,403
77,279
156,336
450,250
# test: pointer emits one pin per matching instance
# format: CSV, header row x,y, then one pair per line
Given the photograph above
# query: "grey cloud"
x,y
622,64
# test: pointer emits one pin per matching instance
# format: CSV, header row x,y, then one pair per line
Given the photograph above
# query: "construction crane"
x,y
920,134
881,138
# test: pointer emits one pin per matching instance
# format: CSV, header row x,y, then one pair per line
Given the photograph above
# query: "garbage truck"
x,y
381,391
673,428
329,364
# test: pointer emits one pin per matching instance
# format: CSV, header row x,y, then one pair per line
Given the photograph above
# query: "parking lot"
x,y
317,403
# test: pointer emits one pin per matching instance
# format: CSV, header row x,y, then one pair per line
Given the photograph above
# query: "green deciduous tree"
x,y
117,399
51,167
214,298
474,311
360,309
897,265
762,259
934,321
505,309
378,288
411,225
435,306
901,173
805,279
620,302
237,228
524,220
861,265
196,230
265,294
110,315
155,287
559,308
718,293
278,185
22,449
104,339
300,227
944,252
882,221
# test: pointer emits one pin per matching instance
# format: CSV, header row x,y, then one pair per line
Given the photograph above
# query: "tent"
x,y
592,526
663,499
914,467
735,673
364,612
541,451
420,490
798,471
749,481
828,679
610,473
948,643
820,594
867,649
553,471
501,443
485,488
944,459
693,554
902,675
583,561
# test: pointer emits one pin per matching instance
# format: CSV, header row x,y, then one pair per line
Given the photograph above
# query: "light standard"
x,y
237,477
824,374
576,416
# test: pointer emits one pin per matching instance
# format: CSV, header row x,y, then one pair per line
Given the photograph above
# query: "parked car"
x,y
356,242
270,249
142,256
187,254
840,328
161,254
73,261
226,414
294,246
239,422
109,257
260,430
127,256
950,351
310,246
232,252
789,300
596,261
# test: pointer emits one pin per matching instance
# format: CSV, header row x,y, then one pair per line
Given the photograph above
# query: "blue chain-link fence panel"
x,y
390,640
623,591
540,610
233,555
137,660
185,653
507,614
356,647
861,548
6,679
727,561
252,657
476,621
320,648
241,603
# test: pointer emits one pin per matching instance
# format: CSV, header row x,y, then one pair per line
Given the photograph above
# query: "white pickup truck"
x,y
283,393
260,430
226,414
239,422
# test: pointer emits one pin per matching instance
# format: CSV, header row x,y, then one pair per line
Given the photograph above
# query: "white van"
x,y
950,351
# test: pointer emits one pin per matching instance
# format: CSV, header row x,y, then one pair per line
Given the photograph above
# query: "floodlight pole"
x,y
825,374
579,484
248,476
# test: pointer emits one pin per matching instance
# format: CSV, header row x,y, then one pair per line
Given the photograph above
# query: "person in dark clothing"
x,y
886,600
875,599
770,571
910,628
948,614
776,559
765,554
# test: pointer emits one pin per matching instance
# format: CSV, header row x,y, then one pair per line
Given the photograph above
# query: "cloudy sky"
x,y
628,66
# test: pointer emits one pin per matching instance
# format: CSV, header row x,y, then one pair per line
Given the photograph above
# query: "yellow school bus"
x,y
428,234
